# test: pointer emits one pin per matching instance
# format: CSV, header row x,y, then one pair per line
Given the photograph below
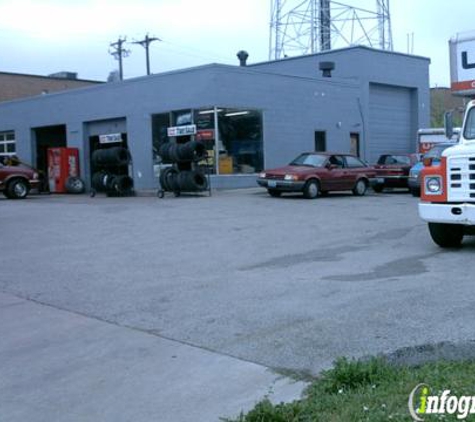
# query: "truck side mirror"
x,y
448,125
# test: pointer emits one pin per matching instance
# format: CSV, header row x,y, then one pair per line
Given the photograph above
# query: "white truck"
x,y
448,188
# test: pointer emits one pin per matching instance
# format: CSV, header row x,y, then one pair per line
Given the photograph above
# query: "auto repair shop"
x,y
249,117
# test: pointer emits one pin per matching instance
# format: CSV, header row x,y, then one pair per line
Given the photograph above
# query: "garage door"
x,y
390,120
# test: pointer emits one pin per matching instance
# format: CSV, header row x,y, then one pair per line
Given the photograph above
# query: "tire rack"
x,y
113,170
192,165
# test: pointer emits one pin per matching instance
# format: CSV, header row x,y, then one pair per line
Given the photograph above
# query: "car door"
x,y
355,169
336,173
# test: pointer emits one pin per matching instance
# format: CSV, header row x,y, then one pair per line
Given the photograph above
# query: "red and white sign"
x,y
181,130
462,63
205,135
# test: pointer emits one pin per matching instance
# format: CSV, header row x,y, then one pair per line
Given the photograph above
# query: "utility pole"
x,y
118,51
146,43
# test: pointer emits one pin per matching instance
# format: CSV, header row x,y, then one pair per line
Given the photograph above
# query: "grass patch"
x,y
370,391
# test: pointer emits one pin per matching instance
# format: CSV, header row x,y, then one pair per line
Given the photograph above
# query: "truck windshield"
x,y
469,129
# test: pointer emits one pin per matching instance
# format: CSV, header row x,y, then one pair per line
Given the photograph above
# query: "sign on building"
x,y
462,63
181,130
110,138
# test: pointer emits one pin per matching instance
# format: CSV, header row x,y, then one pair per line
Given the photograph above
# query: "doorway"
x,y
355,144
47,137
320,141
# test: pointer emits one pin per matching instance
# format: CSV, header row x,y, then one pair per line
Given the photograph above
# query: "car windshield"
x,y
436,151
310,160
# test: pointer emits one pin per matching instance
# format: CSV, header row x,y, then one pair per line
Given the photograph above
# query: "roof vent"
x,y
64,75
242,56
326,68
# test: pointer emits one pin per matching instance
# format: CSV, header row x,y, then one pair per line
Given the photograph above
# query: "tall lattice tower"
x,y
310,26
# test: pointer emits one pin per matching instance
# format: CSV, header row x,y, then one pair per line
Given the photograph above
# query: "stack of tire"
x,y
108,177
183,176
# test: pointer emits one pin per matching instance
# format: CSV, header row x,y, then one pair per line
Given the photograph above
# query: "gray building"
x,y
249,117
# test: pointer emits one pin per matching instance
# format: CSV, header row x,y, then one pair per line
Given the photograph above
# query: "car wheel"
x,y
311,189
415,192
378,188
360,188
274,193
446,235
74,185
17,189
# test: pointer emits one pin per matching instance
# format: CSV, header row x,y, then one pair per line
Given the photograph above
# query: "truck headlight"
x,y
433,185
290,177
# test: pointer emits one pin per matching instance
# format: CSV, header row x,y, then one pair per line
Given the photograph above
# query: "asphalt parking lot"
x,y
285,283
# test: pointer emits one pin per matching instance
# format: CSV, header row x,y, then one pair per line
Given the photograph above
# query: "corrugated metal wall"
x,y
390,120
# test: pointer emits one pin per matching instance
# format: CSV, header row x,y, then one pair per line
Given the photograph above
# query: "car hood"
x,y
282,171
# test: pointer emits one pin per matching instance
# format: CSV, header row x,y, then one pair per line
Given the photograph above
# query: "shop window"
x,y
238,147
240,136
7,144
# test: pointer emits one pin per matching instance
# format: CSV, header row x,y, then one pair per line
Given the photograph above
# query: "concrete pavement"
x,y
57,365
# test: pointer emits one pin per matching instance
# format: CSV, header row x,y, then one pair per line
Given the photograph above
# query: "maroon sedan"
x,y
393,170
315,173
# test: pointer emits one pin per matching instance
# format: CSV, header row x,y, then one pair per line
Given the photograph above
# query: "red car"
x,y
316,173
16,179
393,170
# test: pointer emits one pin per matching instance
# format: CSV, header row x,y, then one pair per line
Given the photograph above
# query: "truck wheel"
x,y
274,193
311,189
17,189
446,235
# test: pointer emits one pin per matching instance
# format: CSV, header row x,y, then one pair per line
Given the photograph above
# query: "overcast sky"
x,y
47,36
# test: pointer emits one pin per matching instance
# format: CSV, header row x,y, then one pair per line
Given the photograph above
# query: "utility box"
x,y
462,64
63,163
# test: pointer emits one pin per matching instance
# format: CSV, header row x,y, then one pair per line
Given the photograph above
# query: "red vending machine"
x,y
63,163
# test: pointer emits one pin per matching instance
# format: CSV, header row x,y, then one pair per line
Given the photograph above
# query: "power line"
x,y
146,43
119,52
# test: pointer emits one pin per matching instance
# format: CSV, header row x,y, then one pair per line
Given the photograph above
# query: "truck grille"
x,y
461,179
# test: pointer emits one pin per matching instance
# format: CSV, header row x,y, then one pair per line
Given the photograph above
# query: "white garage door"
x,y
390,120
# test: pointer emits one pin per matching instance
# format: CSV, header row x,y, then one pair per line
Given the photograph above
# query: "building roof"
x,y
341,50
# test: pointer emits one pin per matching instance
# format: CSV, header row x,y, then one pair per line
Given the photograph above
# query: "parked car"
x,y
316,173
433,155
393,170
16,178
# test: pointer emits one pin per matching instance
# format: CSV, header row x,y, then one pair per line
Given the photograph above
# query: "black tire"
x,y
123,184
102,181
168,179
415,192
311,189
360,187
274,193
74,185
17,189
191,151
173,151
446,235
192,181
116,156
378,188
164,152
